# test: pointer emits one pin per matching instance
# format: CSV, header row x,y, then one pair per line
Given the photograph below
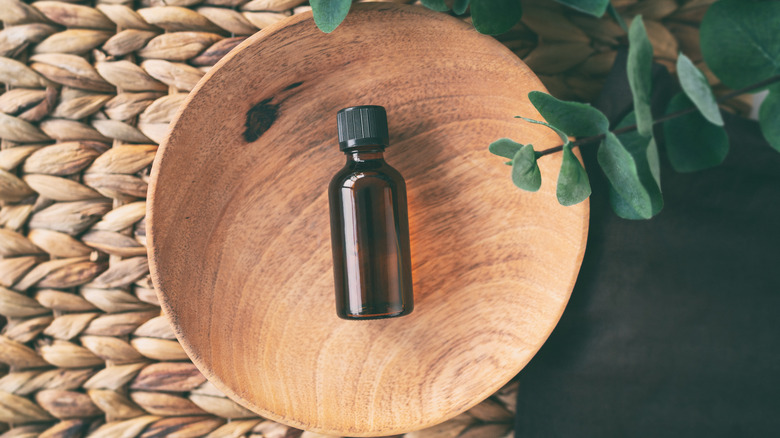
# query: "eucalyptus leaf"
x,y
493,17
574,118
769,117
525,169
615,15
698,90
592,7
328,14
623,209
460,6
740,42
561,134
693,143
654,162
621,171
648,164
436,5
640,63
504,147
573,185
645,154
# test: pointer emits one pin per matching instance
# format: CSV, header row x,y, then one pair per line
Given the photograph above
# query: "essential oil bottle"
x,y
369,222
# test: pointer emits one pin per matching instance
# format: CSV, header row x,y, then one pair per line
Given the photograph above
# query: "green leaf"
x,y
621,170
436,5
693,143
493,17
740,41
573,118
525,170
624,210
504,147
592,7
460,7
573,185
696,87
328,14
640,63
561,134
654,162
769,117
645,154
612,12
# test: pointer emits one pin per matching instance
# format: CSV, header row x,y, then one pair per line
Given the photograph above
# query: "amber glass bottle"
x,y
369,223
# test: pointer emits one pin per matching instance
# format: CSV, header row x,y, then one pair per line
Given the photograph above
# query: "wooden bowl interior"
x,y
240,237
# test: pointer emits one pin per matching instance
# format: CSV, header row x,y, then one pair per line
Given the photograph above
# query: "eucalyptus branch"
x,y
724,98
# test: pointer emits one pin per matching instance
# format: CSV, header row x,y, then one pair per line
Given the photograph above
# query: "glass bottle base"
x,y
355,317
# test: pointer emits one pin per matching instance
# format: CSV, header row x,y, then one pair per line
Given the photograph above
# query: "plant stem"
x,y
721,99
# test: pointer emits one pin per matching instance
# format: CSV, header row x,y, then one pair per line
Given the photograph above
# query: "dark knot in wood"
x,y
259,119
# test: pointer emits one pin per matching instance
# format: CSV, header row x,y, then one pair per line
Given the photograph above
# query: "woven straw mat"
x,y
89,91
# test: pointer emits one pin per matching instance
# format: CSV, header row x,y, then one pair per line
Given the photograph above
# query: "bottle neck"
x,y
365,153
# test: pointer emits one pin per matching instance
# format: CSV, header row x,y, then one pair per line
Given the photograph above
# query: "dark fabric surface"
x,y
672,329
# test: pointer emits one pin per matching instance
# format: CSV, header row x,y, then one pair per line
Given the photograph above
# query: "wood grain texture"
x,y
238,223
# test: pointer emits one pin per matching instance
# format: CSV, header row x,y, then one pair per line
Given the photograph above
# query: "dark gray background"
x,y
672,329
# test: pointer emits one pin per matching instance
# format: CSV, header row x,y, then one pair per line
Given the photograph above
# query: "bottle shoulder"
x,y
351,176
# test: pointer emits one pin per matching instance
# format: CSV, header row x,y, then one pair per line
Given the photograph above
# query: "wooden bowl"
x,y
238,217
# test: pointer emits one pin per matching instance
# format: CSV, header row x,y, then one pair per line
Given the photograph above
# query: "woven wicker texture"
x,y
90,88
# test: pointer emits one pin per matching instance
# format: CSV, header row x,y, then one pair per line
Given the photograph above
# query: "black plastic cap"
x,y
362,126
